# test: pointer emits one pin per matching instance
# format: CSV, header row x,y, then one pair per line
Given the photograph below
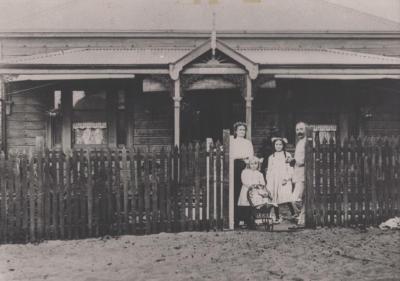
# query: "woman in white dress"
x,y
279,175
240,149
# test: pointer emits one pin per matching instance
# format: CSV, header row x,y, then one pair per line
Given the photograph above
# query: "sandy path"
x,y
324,254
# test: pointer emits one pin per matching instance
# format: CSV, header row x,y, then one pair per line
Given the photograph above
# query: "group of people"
x,y
281,181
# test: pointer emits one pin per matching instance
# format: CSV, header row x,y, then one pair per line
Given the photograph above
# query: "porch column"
x,y
177,111
3,114
66,111
249,99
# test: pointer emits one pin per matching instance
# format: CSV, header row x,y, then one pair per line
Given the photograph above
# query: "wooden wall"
x,y
153,120
265,116
28,116
316,102
384,107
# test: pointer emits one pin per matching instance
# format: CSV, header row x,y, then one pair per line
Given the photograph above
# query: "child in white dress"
x,y
279,175
250,176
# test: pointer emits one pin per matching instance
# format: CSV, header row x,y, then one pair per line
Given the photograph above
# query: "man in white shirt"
x,y
299,171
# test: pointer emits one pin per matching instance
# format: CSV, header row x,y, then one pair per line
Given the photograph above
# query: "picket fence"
x,y
354,183
95,192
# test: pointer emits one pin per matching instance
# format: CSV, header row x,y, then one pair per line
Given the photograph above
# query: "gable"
x,y
212,45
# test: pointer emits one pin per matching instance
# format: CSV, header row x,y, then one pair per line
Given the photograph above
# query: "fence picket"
x,y
96,191
25,197
182,186
366,182
32,199
345,182
225,208
82,195
175,189
211,190
61,194
203,186
196,171
133,188
189,186
324,164
124,174
45,186
117,191
318,190
154,194
68,186
218,182
162,190
89,190
358,182
331,184
3,186
168,194
147,192
41,191
55,194
386,179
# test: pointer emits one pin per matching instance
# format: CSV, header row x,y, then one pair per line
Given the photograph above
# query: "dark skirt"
x,y
239,211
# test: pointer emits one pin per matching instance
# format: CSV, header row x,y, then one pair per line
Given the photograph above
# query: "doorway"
x,y
205,114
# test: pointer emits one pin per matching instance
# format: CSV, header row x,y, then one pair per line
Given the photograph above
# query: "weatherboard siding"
x,y
27,119
153,121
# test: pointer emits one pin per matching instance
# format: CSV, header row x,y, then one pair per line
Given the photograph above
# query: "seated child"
x,y
260,196
252,178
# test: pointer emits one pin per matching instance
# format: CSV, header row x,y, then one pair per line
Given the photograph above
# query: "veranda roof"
x,y
165,56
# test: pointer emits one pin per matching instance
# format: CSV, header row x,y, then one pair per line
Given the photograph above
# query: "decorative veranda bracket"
x,y
164,80
193,81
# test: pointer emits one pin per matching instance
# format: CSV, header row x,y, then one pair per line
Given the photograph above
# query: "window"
x,y
326,131
89,118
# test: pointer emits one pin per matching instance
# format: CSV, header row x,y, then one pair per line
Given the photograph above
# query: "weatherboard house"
x,y
142,74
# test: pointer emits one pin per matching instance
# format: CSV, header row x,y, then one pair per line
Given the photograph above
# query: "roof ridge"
x,y
353,10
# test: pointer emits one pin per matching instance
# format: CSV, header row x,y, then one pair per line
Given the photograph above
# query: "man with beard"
x,y
299,172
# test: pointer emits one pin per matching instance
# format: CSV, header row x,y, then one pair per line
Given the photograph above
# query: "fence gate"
x,y
354,183
49,194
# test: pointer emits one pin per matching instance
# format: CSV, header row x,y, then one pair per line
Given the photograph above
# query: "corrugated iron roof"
x,y
187,15
112,56
314,56
164,56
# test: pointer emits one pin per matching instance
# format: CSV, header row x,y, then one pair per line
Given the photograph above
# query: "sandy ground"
x,y
322,254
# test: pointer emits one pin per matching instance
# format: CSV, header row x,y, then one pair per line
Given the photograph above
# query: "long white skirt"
x,y
285,194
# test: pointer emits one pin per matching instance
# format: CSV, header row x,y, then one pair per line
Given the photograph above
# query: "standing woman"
x,y
240,149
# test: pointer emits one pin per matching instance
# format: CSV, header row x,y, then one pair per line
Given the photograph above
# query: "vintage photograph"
x,y
235,140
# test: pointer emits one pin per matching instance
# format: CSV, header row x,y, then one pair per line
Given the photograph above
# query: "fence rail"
x,y
354,183
93,192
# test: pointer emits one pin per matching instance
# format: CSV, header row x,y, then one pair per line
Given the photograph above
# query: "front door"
x,y
206,114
